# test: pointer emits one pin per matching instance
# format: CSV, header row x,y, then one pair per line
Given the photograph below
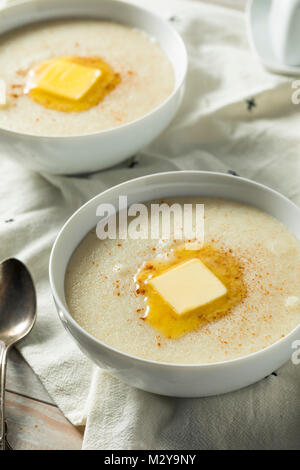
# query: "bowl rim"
x,y
61,307
12,8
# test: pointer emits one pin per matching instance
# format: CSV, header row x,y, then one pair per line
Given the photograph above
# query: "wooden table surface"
x,y
34,421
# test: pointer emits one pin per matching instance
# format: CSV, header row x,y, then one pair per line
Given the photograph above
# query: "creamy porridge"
x,y
141,77
264,265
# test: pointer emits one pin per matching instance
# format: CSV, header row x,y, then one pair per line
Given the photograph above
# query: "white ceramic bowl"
x,y
92,152
162,378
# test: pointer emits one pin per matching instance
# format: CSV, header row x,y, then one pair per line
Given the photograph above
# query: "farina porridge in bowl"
x,y
255,257
85,85
73,77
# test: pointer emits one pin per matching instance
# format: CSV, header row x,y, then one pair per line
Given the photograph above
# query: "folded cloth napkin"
x,y
235,116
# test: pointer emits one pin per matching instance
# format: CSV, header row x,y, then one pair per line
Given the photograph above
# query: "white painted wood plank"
x,y
36,426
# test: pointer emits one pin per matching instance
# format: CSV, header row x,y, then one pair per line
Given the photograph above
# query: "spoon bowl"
x,y
17,301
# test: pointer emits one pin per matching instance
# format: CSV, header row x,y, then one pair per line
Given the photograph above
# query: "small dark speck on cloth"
x,y
273,373
232,172
251,103
8,221
173,18
133,162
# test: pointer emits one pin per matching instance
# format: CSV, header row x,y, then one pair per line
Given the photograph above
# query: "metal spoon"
x,y
17,317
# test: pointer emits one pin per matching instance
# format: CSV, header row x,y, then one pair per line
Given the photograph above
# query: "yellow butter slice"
x,y
68,79
188,286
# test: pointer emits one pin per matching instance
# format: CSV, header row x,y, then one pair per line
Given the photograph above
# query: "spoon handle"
x,y
3,358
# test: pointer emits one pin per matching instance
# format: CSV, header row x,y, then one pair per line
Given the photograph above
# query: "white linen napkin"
x,y
235,116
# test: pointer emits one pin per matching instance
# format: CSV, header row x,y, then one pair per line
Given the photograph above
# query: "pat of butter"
x,y
2,92
188,286
68,79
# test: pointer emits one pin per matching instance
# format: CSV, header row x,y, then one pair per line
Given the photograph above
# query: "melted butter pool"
x,y
160,315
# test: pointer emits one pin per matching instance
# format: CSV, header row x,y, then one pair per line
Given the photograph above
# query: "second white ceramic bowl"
x,y
170,379
92,152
